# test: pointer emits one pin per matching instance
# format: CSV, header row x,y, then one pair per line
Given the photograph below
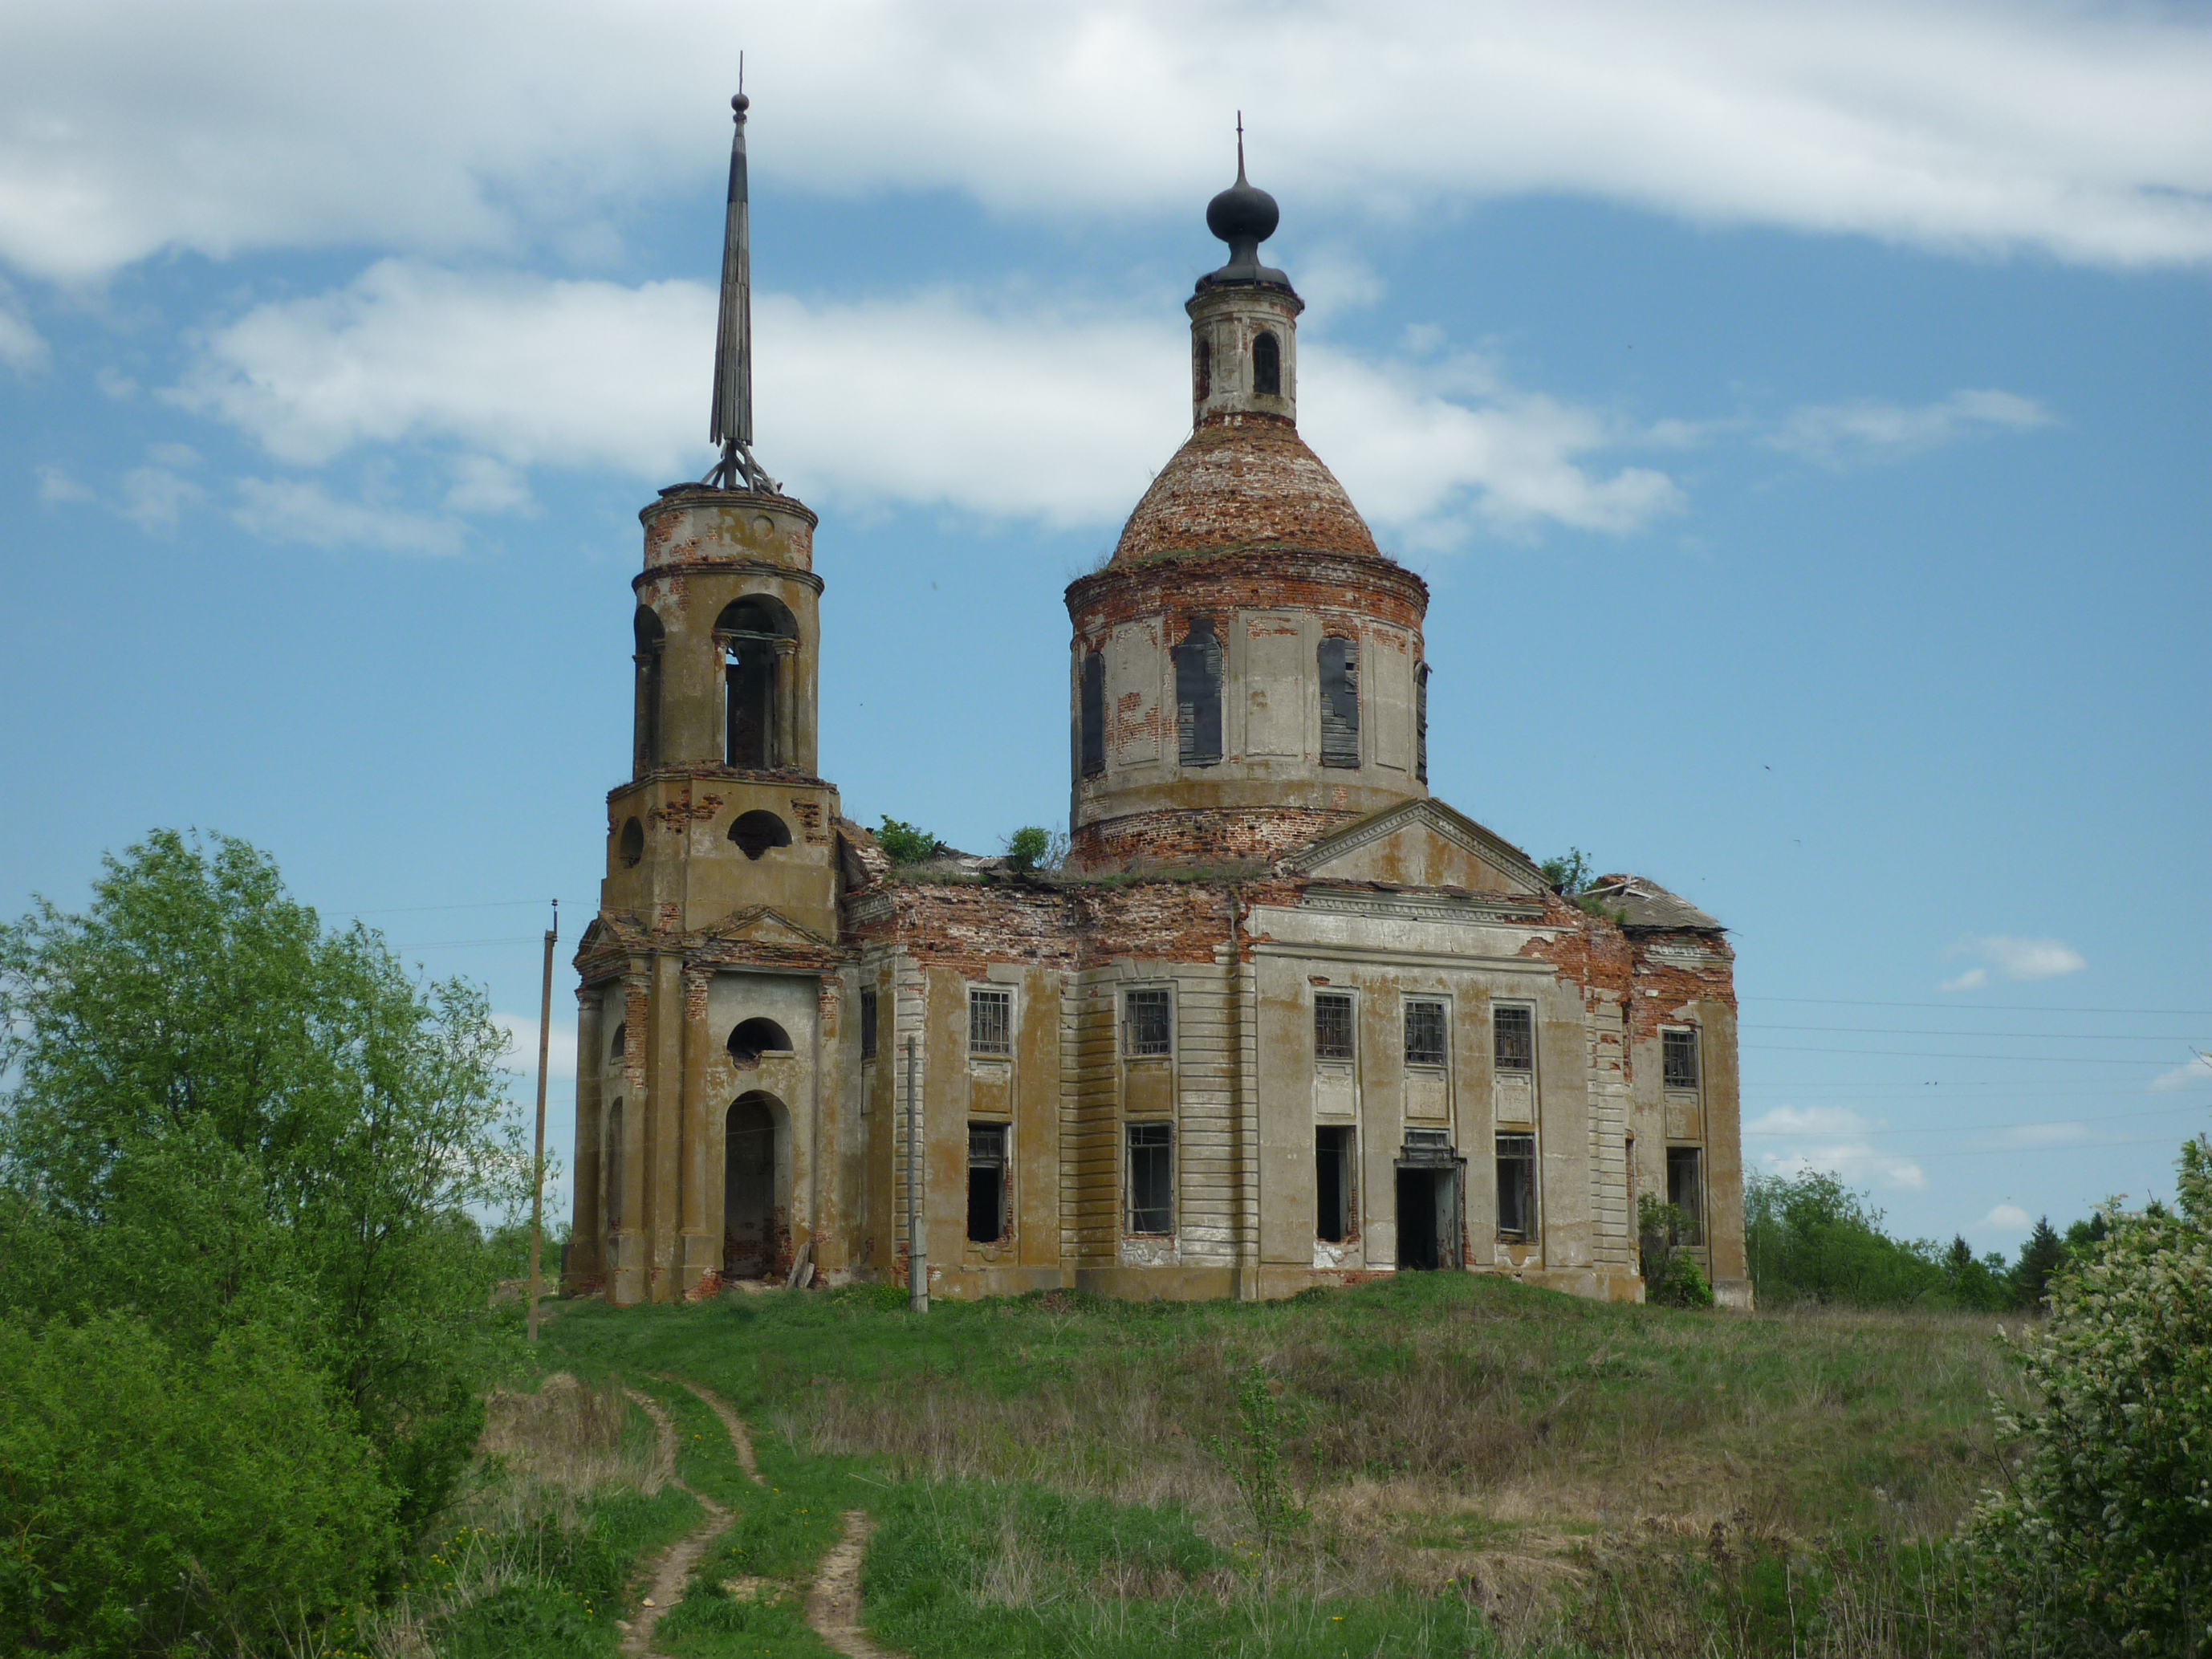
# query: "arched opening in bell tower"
x,y
651,640
755,1225
757,637
1267,365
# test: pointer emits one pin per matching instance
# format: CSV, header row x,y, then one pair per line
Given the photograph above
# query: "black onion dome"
x,y
1243,216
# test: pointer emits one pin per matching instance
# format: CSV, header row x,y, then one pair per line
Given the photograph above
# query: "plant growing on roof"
x,y
902,843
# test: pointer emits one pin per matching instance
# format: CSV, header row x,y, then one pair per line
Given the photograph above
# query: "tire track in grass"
x,y
672,1572
833,1605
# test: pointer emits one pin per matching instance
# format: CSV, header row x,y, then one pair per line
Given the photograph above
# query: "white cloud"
x,y
154,498
296,510
2015,959
57,486
1947,123
1839,435
2044,1135
2197,1071
2007,1218
1854,1163
522,1057
1811,1120
21,346
933,399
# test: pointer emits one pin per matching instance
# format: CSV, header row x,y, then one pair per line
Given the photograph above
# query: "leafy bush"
x,y
1681,1284
1812,1239
1030,848
2104,1540
1568,873
904,844
225,1116
151,1498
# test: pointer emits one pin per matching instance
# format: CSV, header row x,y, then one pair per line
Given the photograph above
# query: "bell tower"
x,y
704,971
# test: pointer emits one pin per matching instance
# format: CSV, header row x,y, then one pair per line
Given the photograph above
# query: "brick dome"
x,y
1244,482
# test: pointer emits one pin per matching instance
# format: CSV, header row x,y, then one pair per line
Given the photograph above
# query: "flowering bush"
x,y
2104,1540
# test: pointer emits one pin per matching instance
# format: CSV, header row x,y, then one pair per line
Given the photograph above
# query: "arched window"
x,y
755,832
1339,702
651,638
1267,365
1094,714
1197,694
1201,371
757,1036
753,633
632,843
615,1050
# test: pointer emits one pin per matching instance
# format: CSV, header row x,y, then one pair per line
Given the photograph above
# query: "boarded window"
x,y
1339,702
986,1182
990,1022
651,640
1151,1178
1678,1059
1421,722
1146,1027
867,1025
1424,1034
1335,1221
1267,365
1094,714
1333,1026
1516,1189
1685,1191
1197,694
1514,1029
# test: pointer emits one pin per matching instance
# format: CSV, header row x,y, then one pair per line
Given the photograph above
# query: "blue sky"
x,y
1801,415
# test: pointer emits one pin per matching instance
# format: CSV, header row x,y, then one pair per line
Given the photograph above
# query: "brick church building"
x,y
1283,1017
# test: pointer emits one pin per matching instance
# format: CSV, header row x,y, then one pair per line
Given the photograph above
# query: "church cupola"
x,y
1243,318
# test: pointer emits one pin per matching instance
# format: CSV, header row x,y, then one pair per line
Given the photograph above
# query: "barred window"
x,y
1332,1026
1678,1059
1424,1034
867,1025
990,1022
1514,1027
1198,695
1516,1188
1151,1178
1147,1025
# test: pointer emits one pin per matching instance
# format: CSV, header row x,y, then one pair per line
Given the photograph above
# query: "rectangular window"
x,y
1516,1189
1333,1026
990,1022
1421,722
1513,1026
1685,1191
1424,1034
1333,1183
1198,695
867,1025
986,1182
1151,1178
1339,702
1147,1029
1093,713
1678,1059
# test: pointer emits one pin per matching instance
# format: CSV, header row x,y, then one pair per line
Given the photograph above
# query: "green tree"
x,y
904,844
2103,1541
1811,1238
1028,846
1568,873
224,1116
2040,1257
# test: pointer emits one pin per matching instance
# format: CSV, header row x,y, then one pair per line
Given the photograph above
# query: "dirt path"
x,y
674,1571
833,1607
741,1442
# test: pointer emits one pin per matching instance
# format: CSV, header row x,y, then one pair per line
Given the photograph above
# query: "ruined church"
x,y
1282,1018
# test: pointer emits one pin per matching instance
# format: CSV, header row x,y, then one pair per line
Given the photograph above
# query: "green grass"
x,y
1477,1466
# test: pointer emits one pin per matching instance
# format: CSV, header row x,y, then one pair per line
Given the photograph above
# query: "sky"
x,y
1799,413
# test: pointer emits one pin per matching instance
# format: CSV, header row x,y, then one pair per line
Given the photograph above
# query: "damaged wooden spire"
x,y
732,427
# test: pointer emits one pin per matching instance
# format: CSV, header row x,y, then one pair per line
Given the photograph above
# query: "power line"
x,y
1961,1128
1924,1053
2030,1037
457,944
1984,1007
420,909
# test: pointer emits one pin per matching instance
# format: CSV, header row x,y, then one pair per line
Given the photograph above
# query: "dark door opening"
x,y
1334,1221
1428,1218
749,1190
986,1182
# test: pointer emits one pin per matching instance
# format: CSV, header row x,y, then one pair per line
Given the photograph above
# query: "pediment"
x,y
1421,843
761,926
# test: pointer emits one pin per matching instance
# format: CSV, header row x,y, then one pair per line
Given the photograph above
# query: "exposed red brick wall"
x,y
1200,835
1220,584
1244,481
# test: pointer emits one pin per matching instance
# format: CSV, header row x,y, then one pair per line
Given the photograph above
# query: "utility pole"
x,y
917,1247
538,1162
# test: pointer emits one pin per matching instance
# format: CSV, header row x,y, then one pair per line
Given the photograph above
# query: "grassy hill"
x,y
1439,1464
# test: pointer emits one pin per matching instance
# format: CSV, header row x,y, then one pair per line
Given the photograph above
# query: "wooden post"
x,y
538,1162
917,1246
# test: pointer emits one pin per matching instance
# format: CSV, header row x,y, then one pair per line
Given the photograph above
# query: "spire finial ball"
x,y
741,103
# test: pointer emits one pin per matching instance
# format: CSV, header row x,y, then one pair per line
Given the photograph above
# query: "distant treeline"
x,y
1812,1239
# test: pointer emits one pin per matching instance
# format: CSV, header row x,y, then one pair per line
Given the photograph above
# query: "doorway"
x,y
750,1234
1428,1217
